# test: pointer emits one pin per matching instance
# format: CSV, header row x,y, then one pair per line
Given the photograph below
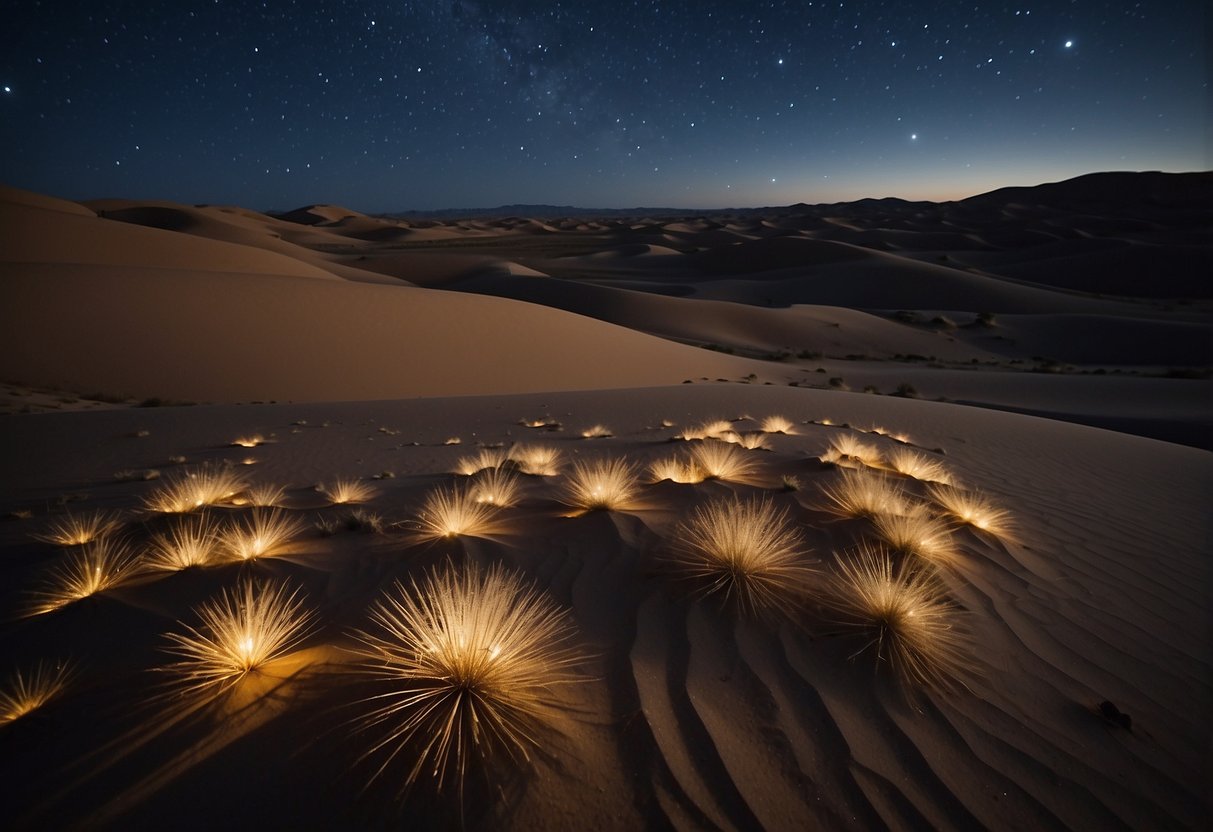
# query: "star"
x,y
1069,44
914,137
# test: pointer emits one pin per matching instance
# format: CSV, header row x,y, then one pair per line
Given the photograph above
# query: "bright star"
x,y
1069,43
914,136
8,89
780,62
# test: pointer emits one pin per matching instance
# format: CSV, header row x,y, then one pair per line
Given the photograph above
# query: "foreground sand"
x,y
686,716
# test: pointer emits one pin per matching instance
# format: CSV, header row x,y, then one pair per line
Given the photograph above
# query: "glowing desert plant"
x,y
485,459
29,691
712,429
675,468
974,509
604,484
343,491
471,662
238,632
453,512
496,487
264,494
78,529
206,485
84,571
749,441
916,533
718,460
863,494
596,432
261,533
920,467
777,424
188,542
251,441
537,460
905,614
847,449
746,552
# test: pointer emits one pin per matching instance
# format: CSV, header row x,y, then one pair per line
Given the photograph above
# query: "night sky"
x,y
685,103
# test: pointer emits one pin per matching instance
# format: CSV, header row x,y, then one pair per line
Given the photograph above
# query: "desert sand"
x,y
1039,355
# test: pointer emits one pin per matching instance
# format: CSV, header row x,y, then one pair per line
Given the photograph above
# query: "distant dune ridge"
x,y
740,519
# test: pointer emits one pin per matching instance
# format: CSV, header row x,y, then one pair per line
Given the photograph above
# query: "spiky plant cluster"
x,y
777,424
496,487
79,529
601,485
973,509
251,441
84,571
485,459
712,429
596,432
454,512
746,552
536,460
718,460
261,533
471,661
749,441
27,692
344,491
849,450
863,494
188,542
264,494
238,632
677,468
916,533
919,466
207,485
904,612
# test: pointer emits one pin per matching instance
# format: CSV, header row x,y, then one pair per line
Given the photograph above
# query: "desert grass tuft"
x,y
919,466
471,662
206,485
84,571
849,450
974,509
777,424
676,468
496,487
79,529
454,512
537,460
747,553
602,485
597,432
264,495
904,613
249,441
485,459
238,632
863,494
345,491
916,533
718,460
261,533
751,441
712,429
188,542
26,692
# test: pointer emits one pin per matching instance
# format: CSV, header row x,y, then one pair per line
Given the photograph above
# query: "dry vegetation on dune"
x,y
903,612
343,491
602,485
917,534
471,663
863,494
485,459
849,450
537,460
79,529
26,691
496,487
972,508
206,485
84,571
455,512
748,553
238,632
262,533
188,542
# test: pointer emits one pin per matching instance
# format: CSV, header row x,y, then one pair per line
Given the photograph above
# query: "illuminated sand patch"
x,y
471,661
344,491
974,509
863,494
238,632
207,485
79,529
602,485
261,533
25,692
83,572
904,613
919,466
188,542
496,487
748,553
454,512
